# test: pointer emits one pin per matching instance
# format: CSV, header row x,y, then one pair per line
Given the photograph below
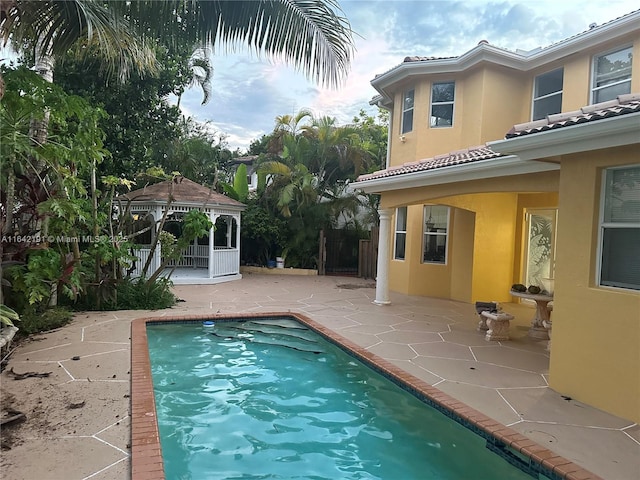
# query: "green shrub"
x,y
130,295
33,320
136,295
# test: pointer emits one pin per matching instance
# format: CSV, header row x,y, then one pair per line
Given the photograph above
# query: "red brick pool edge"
x,y
146,452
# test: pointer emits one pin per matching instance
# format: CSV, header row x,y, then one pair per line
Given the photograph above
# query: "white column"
x,y
382,276
212,217
237,220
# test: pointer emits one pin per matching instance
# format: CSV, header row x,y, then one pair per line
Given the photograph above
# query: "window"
x,y
442,104
547,94
611,75
620,228
436,226
540,249
407,111
401,233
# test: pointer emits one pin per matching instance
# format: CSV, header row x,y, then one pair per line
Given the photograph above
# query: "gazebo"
x,y
214,258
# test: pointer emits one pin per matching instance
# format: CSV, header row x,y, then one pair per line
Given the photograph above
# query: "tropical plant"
x,y
311,34
240,188
8,316
201,73
48,29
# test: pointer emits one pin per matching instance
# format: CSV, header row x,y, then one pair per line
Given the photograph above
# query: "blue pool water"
x,y
272,399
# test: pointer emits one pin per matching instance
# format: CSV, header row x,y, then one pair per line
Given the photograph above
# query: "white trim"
x,y
494,167
522,61
602,225
592,88
396,232
605,133
426,234
432,104
404,110
534,99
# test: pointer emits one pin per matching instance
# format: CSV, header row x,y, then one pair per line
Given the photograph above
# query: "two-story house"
x,y
512,167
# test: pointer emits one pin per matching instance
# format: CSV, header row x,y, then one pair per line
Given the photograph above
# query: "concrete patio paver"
x,y
433,339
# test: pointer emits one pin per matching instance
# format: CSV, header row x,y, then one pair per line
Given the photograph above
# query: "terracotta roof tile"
x,y
416,58
459,157
184,190
623,105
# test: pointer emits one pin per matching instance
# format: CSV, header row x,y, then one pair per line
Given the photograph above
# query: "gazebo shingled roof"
x,y
184,191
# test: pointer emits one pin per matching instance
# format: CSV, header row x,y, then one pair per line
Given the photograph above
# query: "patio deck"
x,y
434,339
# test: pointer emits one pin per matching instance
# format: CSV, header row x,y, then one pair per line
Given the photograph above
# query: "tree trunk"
x,y
39,127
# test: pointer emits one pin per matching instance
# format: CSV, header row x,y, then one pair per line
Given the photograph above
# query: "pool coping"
x,y
146,452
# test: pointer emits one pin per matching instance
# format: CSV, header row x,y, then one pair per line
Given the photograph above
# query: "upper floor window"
x,y
401,233
547,94
442,95
611,75
436,227
407,111
619,264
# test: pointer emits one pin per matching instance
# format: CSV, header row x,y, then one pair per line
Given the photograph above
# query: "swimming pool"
x,y
350,436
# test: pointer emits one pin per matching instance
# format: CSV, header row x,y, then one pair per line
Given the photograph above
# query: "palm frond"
x,y
313,35
54,27
202,71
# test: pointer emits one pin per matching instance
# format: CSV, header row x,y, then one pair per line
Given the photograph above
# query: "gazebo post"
x,y
180,195
237,217
212,217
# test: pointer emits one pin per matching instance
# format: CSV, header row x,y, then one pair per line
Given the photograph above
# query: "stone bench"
x,y
497,324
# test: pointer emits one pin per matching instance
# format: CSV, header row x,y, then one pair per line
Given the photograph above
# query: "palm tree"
x,y
311,34
292,186
201,73
48,29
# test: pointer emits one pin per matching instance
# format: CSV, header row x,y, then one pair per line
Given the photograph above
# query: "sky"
x,y
250,92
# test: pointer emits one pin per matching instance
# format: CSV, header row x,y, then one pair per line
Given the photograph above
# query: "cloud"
x,y
249,91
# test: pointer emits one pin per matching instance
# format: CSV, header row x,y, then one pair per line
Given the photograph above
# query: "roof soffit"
x,y
605,133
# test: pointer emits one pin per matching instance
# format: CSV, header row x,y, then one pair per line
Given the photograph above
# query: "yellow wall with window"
x,y
490,99
596,330
484,242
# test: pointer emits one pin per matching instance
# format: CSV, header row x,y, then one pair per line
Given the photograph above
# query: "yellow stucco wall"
x,y
493,244
578,69
596,330
490,99
483,245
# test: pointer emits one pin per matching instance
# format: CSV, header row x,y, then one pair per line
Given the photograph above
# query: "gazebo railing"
x,y
143,255
226,261
195,256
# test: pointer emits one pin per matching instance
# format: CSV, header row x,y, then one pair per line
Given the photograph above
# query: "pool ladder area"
x,y
520,461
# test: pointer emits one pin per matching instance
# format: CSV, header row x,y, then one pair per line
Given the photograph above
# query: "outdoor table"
x,y
541,323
